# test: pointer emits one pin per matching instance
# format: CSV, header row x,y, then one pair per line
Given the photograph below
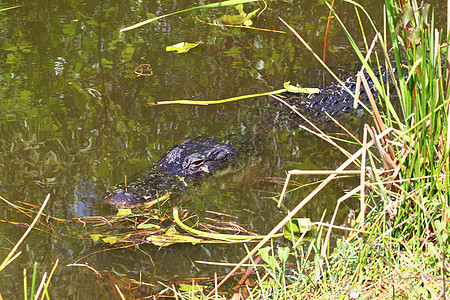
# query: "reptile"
x,y
192,159
188,161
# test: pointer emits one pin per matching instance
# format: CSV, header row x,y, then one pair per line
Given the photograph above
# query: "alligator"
x,y
191,159
187,161
334,99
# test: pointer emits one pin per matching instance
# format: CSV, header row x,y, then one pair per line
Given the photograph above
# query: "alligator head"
x,y
190,159
193,159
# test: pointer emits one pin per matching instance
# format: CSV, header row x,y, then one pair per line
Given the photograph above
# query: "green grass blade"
x,y
11,7
33,280
212,5
368,68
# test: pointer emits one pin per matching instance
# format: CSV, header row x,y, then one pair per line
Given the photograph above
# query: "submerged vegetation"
x,y
395,246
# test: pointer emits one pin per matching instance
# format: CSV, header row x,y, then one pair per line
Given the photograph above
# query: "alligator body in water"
x,y
334,99
189,160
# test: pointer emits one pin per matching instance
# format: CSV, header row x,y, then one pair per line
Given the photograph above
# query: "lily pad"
x,y
182,47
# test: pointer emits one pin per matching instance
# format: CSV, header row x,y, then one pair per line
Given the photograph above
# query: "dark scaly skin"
x,y
189,160
334,99
122,199
193,159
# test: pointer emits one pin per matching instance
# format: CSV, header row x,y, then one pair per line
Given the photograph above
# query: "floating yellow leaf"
x,y
172,237
232,19
148,226
124,211
298,225
182,47
242,18
96,237
114,239
298,89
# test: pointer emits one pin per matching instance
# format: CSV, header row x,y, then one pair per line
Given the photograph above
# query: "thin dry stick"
x,y
315,55
175,292
360,74
319,132
340,227
324,172
343,128
285,186
215,284
387,161
325,138
363,176
339,201
295,211
49,278
41,286
376,112
14,249
86,266
120,292
12,258
311,172
357,89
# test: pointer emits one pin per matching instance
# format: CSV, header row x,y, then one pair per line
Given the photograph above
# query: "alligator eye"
x,y
224,155
196,164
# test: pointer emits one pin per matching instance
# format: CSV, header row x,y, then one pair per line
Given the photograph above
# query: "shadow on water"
x,y
75,120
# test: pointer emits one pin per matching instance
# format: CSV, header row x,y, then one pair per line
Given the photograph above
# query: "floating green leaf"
x,y
124,211
232,19
267,257
114,239
183,287
148,226
182,47
297,226
242,18
96,237
298,89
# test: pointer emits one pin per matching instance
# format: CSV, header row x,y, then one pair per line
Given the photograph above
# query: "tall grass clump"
x,y
401,248
398,246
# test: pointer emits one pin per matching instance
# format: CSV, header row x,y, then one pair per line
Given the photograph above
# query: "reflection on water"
x,y
75,120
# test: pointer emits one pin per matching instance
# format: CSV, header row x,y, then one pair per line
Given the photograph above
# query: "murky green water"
x,y
74,121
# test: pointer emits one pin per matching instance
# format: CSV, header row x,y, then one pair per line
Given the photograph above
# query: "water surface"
x,y
75,121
